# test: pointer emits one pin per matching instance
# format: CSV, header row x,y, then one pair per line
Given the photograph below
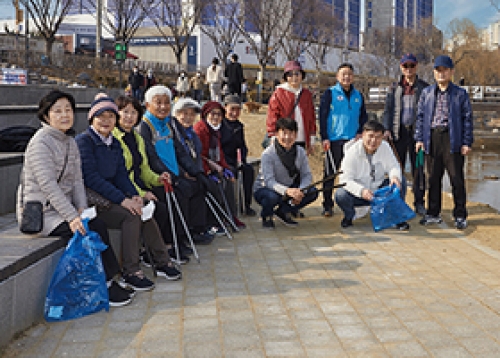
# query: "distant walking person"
x,y
444,129
234,75
196,84
399,121
342,114
214,79
136,81
182,86
150,80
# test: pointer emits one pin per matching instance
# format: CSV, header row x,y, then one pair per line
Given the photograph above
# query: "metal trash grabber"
x,y
169,194
209,198
229,216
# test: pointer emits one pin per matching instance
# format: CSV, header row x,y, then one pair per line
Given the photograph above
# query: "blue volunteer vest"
x,y
343,119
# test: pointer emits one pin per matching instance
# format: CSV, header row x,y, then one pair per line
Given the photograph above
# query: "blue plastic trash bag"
x,y
78,286
388,209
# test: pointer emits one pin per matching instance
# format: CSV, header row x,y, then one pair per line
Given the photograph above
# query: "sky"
x,y
481,12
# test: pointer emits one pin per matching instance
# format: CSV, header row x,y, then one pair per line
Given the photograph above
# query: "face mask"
x,y
182,76
215,128
135,71
198,75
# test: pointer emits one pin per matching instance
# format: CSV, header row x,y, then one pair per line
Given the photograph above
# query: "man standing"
x,y
444,130
136,81
234,75
399,121
369,164
342,114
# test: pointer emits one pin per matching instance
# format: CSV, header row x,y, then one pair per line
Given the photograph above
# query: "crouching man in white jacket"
x,y
368,165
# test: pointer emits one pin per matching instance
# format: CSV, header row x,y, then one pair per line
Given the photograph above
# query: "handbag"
x,y
32,215
267,140
97,200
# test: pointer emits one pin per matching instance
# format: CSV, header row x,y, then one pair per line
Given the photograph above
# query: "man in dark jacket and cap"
x,y
399,121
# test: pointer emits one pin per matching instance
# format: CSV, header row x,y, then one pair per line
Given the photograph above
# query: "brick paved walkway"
x,y
315,291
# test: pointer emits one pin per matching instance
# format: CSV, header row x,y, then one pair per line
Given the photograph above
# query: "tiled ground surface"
x,y
314,291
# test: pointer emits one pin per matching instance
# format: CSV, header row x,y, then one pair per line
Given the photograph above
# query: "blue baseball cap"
x,y
443,61
409,57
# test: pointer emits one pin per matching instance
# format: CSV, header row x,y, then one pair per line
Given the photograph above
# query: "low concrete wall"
x,y
10,170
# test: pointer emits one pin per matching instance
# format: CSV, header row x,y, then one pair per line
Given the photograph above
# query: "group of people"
x,y
128,157
432,122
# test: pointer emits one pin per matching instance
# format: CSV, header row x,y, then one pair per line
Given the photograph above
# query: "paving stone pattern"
x,y
314,291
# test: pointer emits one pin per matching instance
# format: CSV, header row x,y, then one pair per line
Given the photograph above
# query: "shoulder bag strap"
x,y
297,100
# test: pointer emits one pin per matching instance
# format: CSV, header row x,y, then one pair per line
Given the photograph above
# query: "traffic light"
x,y
120,51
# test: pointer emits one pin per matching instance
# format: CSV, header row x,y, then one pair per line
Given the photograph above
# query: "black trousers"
x,y
337,153
439,160
109,261
406,144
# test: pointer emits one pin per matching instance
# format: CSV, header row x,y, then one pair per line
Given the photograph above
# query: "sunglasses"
x,y
294,73
409,65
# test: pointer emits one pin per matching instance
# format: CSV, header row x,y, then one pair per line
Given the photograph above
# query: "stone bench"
x,y
10,170
27,264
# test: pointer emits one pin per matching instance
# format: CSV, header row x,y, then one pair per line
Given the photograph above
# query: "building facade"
x,y
409,14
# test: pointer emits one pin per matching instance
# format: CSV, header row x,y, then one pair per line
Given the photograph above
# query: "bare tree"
x,y
175,21
300,34
122,18
384,44
465,39
495,4
218,22
264,23
321,40
47,16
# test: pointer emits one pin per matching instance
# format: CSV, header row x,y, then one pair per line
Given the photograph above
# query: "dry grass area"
x,y
484,221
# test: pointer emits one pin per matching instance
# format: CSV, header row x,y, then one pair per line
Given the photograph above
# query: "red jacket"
x,y
201,129
281,104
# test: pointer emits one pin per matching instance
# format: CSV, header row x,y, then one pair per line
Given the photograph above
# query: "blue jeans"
x,y
197,95
347,201
137,93
269,199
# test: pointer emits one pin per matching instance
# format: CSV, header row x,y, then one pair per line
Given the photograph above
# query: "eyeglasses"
x,y
294,73
216,114
409,65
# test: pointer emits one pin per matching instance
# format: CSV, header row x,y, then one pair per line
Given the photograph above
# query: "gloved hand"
x,y
214,178
228,174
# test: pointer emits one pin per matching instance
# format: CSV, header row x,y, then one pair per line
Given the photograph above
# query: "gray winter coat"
x,y
43,163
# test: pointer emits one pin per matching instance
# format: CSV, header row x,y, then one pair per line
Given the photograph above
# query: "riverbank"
x,y
484,221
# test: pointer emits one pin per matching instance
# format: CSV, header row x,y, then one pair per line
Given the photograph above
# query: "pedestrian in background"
x,y
136,81
182,85
399,121
342,114
444,130
214,79
196,83
234,75
150,80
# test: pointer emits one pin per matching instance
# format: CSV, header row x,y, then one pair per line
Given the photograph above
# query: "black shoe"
x,y
118,296
250,212
145,258
286,219
420,209
431,219
187,250
268,222
139,282
126,287
204,238
404,226
346,223
183,259
461,223
169,272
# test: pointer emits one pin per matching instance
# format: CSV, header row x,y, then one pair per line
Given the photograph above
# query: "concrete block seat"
x,y
27,264
10,169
